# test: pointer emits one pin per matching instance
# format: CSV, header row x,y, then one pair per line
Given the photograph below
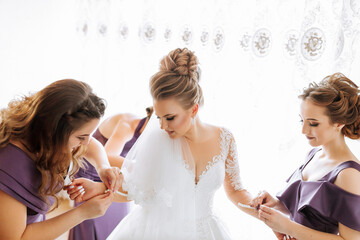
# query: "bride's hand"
x,y
82,189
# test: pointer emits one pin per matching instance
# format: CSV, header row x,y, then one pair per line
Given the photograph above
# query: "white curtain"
x,y
255,57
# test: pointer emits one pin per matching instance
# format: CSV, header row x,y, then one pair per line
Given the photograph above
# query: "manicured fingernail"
x,y
82,193
80,187
82,190
71,187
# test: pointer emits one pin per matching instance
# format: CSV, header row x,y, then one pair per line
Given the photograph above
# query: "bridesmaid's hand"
x,y
82,189
112,177
263,198
96,206
274,219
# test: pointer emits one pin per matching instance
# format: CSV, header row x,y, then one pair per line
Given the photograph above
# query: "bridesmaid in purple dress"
x,y
40,135
112,133
323,195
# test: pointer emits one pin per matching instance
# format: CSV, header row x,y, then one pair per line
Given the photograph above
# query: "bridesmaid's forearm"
x,y
301,232
96,155
54,227
116,161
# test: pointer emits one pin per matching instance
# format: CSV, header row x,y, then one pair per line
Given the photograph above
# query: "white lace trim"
x,y
232,163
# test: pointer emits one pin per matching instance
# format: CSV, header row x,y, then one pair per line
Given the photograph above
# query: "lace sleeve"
x,y
231,163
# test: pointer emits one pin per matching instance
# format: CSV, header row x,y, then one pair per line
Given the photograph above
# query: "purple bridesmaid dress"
x,y
321,205
100,228
20,179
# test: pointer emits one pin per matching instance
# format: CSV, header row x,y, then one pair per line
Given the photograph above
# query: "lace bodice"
x,y
223,167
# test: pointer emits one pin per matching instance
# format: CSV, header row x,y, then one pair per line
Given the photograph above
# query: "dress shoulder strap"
x,y
335,172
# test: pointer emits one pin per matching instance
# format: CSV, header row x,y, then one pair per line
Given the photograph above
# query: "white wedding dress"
x,y
170,204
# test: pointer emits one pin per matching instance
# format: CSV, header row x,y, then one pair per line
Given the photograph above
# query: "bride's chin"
x,y
173,135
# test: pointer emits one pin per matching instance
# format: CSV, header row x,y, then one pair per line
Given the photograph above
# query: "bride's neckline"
x,y
212,162
208,166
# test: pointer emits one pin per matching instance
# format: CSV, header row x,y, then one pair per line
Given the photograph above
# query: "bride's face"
x,y
174,119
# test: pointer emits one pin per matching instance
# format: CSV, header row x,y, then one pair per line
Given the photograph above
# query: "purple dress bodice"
x,y
20,179
321,205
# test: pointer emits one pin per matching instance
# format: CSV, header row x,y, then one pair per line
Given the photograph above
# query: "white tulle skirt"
x,y
137,226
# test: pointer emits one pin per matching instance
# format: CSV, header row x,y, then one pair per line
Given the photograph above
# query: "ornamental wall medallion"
x,y
245,40
313,44
186,35
167,34
123,31
204,36
102,29
82,28
261,42
218,39
291,42
148,32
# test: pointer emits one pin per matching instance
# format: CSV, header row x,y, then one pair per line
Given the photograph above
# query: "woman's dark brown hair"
x,y
340,96
43,123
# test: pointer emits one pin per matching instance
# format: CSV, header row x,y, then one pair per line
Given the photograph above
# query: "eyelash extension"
x,y
170,118
81,138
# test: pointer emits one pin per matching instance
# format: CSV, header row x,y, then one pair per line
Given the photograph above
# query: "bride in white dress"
x,y
178,163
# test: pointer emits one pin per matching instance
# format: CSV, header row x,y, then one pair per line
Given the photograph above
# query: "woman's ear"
x,y
339,126
195,110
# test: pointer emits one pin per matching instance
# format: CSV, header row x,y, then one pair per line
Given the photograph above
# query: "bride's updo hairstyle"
x,y
178,77
340,96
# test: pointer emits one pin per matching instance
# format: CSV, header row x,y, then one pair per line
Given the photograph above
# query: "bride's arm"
x,y
232,183
121,196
